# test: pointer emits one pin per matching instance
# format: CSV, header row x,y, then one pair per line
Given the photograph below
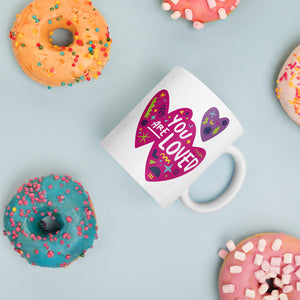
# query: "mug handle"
x,y
231,191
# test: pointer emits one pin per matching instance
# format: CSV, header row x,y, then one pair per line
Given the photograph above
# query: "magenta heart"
x,y
212,125
172,154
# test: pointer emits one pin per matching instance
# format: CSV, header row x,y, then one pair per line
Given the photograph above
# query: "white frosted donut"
x,y
288,86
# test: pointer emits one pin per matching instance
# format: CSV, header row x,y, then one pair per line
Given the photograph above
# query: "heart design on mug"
x,y
172,153
212,125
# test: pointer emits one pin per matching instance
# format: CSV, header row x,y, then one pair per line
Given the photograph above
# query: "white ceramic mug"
x,y
173,135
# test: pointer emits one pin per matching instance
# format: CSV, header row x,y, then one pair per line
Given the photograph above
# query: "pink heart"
x,y
172,154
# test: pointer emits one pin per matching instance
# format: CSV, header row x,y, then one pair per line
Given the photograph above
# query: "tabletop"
x,y
145,251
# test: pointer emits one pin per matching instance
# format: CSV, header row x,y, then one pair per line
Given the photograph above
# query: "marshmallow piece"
x,y
235,269
166,6
265,266
270,297
288,269
175,1
211,3
297,260
262,280
297,273
287,289
283,296
276,244
230,245
223,253
263,288
298,286
274,269
278,282
286,279
189,14
259,274
262,245
239,255
228,288
258,259
275,293
198,25
176,15
271,275
248,247
275,261
222,13
250,293
288,258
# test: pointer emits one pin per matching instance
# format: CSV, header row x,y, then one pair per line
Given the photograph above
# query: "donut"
x,y
288,86
265,266
53,65
50,221
200,11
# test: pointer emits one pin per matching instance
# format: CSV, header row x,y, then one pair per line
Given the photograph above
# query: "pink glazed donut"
x,y
265,266
200,11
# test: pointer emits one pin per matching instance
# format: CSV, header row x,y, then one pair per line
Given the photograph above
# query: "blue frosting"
x,y
69,206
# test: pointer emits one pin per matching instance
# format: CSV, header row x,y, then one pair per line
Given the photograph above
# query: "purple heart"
x,y
212,125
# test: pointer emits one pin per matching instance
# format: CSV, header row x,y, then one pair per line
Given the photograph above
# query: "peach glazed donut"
x,y
288,86
200,11
54,65
265,266
51,221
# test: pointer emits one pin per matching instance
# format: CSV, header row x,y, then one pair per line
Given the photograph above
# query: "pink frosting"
x,y
252,276
202,11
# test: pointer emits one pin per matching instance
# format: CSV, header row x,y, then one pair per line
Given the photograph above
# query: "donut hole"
x,y
50,225
61,37
272,287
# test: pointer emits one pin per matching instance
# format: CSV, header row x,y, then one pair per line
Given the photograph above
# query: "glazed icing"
x,y
251,268
50,64
66,202
288,86
200,11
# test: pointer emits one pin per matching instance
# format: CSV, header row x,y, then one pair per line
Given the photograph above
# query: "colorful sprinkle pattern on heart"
x,y
172,154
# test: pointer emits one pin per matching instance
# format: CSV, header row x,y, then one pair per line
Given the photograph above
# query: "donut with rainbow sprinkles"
x,y
265,266
51,221
53,65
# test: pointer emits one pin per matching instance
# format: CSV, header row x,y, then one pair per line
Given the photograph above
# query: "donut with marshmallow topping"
x,y
200,11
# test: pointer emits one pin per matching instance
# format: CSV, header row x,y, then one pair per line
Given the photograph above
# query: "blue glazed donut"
x,y
51,221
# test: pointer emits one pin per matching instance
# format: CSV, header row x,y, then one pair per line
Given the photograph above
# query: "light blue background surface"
x,y
146,252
